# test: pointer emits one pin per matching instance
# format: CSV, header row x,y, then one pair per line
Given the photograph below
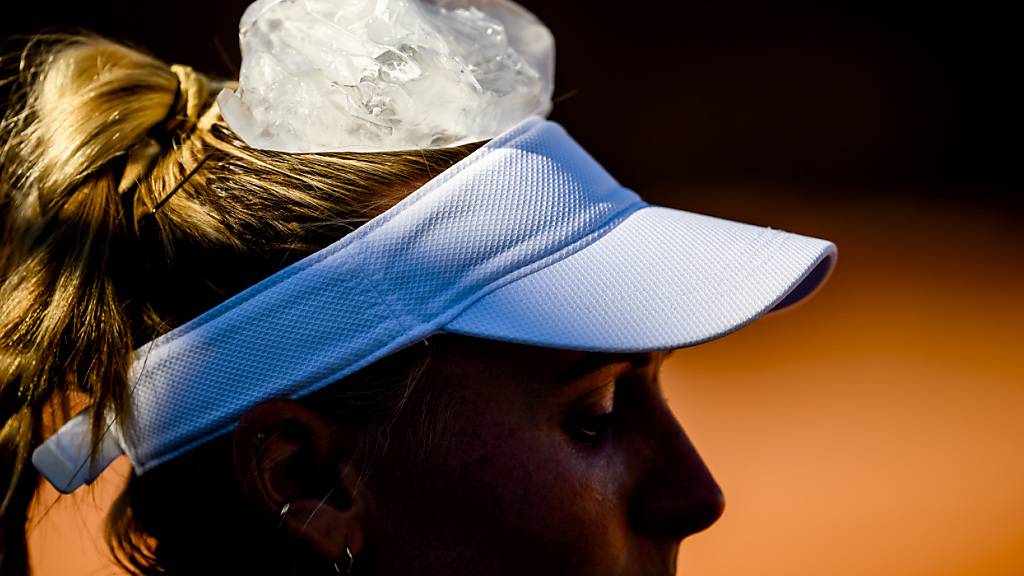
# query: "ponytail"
x,y
97,139
81,109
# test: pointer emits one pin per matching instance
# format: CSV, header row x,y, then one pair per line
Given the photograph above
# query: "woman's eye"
x,y
592,430
595,415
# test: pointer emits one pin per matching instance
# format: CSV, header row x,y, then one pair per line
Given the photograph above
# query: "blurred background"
x,y
876,429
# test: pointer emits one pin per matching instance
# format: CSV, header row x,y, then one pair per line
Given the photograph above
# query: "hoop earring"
x,y
284,512
346,563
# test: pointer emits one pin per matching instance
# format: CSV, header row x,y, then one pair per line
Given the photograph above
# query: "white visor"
x,y
526,240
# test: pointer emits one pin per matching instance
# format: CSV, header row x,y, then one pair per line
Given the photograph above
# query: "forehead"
x,y
491,358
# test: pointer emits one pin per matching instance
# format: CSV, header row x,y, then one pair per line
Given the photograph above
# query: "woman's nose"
x,y
677,496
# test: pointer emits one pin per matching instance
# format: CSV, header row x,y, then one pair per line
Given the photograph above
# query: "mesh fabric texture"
x,y
526,240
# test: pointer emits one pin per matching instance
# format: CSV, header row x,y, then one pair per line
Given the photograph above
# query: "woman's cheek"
x,y
570,500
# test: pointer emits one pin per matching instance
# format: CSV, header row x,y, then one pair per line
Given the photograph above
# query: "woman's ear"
x,y
293,463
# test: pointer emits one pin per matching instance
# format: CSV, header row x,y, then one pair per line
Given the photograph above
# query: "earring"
x,y
284,511
346,563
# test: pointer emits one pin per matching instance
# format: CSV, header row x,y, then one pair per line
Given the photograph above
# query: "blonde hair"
x,y
96,136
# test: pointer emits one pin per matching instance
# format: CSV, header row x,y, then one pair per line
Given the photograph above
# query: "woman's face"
x,y
547,462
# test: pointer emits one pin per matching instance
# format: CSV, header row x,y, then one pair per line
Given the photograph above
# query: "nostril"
x,y
712,508
680,519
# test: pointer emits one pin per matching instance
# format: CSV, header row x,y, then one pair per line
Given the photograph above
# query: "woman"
x,y
388,324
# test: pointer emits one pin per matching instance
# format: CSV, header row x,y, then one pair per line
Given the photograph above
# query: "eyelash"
x,y
593,430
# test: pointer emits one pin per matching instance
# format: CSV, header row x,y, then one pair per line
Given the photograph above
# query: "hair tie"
x,y
182,117
189,100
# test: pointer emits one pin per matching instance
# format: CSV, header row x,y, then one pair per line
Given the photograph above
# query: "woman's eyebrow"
x,y
594,361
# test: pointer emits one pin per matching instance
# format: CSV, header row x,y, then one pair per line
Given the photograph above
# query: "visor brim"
x,y
662,279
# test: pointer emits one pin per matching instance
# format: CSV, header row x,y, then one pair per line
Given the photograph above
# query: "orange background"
x,y
876,429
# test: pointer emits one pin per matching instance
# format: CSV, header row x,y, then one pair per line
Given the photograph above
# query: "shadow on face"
x,y
523,460
551,462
